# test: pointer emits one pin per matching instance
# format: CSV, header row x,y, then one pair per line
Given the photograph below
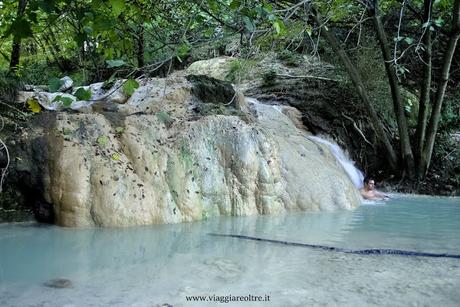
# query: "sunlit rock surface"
x,y
167,156
217,68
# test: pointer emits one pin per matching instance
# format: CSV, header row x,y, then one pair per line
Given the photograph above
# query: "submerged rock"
x,y
59,283
155,159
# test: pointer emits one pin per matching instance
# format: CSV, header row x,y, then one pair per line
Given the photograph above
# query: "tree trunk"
x,y
398,105
357,81
16,48
426,87
436,112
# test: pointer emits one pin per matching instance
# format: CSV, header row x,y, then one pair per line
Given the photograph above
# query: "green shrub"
x,y
289,58
269,77
38,72
240,70
375,80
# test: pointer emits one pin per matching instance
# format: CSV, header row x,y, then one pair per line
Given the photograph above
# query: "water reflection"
x,y
37,253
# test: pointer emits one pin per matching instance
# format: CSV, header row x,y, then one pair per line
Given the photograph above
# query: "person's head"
x,y
369,183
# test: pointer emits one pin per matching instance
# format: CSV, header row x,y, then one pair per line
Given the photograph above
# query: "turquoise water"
x,y
162,264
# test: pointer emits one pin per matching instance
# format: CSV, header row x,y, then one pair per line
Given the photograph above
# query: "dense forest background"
x,y
399,58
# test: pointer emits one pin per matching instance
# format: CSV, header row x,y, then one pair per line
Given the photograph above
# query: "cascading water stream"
x,y
356,176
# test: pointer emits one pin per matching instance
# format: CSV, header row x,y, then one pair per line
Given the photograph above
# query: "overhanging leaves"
x,y
19,28
118,6
130,86
33,105
83,94
54,84
66,101
115,63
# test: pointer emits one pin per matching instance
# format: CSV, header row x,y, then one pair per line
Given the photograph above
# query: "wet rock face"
x,y
210,90
44,211
155,160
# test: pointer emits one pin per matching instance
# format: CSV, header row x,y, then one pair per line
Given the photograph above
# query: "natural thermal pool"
x,y
162,264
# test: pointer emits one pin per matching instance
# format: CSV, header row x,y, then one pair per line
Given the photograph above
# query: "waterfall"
x,y
356,176
281,123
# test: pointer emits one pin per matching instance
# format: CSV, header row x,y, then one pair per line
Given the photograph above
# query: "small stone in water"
x,y
59,283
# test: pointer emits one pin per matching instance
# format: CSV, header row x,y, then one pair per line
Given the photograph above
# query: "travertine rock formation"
x,y
172,154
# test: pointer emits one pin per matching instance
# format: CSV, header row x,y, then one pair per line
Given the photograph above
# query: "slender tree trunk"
x,y
437,105
357,81
16,48
398,105
426,86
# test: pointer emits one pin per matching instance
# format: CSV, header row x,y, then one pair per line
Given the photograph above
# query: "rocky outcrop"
x,y
176,152
217,68
328,106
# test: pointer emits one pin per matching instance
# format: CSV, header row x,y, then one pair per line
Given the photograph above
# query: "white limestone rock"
x,y
156,160
67,84
217,68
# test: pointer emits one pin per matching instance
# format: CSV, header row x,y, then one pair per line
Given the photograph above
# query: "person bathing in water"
x,y
369,191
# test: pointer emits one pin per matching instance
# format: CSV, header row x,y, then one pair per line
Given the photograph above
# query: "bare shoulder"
x,y
366,194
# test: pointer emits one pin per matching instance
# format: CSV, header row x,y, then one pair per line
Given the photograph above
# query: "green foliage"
x,y
279,27
103,141
269,77
19,28
240,70
289,58
446,159
290,40
450,117
249,24
235,70
375,80
109,83
83,94
66,101
235,4
38,71
79,78
129,87
115,63
54,84
183,50
33,105
118,6
116,157
119,130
